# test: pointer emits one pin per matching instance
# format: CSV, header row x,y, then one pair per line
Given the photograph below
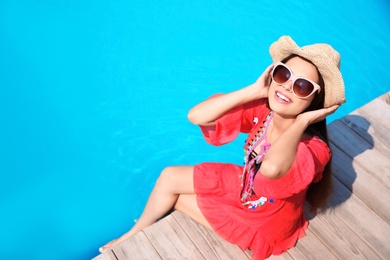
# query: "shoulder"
x,y
317,148
258,108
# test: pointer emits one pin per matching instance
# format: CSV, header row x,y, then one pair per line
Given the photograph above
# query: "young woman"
x,y
287,158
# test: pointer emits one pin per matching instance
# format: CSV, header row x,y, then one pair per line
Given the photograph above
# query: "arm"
x,y
281,155
206,112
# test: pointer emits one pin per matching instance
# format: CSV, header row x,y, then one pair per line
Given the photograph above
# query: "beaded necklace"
x,y
252,164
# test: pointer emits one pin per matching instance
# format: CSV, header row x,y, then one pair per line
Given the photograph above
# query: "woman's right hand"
x,y
262,84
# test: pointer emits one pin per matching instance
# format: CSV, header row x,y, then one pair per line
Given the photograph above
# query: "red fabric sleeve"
x,y
238,119
310,159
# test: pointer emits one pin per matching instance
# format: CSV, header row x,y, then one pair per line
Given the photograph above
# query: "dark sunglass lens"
x,y
281,74
303,88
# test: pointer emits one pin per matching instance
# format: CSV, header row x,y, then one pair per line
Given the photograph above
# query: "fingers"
x,y
318,115
328,111
270,67
268,73
331,110
265,77
268,70
263,82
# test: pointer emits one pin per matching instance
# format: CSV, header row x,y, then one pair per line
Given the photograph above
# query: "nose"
x,y
288,85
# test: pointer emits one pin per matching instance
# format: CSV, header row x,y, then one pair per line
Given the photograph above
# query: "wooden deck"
x,y
358,226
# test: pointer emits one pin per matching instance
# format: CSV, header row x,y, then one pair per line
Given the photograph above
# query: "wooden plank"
x,y
385,97
369,190
378,110
373,230
340,238
370,129
136,247
310,247
208,242
370,159
107,255
284,256
170,240
249,253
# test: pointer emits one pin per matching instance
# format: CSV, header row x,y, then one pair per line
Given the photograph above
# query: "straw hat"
x,y
324,57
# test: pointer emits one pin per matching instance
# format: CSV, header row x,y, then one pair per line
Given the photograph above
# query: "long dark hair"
x,y
318,193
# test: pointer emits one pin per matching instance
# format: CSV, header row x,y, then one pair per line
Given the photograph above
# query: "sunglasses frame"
x,y
293,78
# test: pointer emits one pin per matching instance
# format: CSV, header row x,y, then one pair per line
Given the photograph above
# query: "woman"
x,y
287,157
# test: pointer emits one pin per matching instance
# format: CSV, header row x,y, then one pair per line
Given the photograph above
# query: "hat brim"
x,y
324,57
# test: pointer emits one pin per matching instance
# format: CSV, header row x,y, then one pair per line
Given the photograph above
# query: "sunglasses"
x,y
301,87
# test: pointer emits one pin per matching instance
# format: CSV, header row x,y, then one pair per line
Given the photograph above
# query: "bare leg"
x,y
172,182
187,204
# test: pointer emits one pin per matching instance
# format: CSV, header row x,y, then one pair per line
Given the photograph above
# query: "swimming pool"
x,y
94,97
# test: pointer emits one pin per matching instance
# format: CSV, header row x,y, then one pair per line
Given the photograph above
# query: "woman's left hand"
x,y
262,84
315,116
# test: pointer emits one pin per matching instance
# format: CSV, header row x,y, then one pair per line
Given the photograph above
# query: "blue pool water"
x,y
94,96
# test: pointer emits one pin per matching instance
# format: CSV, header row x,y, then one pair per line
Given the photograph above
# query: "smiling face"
x,y
281,98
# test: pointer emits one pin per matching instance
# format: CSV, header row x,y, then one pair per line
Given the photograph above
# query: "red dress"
x,y
273,219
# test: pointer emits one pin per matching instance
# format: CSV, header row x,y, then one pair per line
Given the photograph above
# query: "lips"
x,y
281,98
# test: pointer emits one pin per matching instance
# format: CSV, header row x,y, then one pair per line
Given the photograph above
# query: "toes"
x,y
107,246
103,248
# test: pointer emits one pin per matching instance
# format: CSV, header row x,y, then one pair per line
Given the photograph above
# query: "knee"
x,y
176,179
167,176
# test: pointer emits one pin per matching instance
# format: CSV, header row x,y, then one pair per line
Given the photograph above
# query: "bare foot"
x,y
107,246
114,242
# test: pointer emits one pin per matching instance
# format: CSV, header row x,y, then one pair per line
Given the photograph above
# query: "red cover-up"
x,y
276,225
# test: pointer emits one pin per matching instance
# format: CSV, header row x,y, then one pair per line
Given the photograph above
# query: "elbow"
x,y
192,117
271,170
197,117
